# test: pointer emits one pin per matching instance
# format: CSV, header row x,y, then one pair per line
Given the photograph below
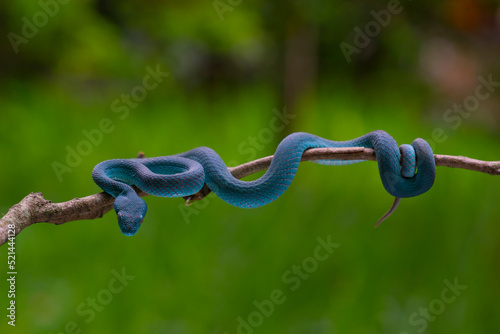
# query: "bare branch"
x,y
34,208
361,153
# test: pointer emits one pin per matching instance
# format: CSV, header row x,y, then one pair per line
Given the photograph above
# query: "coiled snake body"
x,y
405,171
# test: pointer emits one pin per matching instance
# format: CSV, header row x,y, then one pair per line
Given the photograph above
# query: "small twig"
x,y
36,209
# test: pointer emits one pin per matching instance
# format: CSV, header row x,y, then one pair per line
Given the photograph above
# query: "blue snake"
x,y
406,171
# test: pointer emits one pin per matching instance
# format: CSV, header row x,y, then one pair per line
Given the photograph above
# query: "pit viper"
x,y
406,171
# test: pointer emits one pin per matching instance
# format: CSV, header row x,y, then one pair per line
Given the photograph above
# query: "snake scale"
x,y
406,171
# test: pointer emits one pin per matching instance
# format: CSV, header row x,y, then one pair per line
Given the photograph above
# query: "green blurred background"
x,y
232,65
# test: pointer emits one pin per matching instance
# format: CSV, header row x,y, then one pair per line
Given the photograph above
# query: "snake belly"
x,y
405,171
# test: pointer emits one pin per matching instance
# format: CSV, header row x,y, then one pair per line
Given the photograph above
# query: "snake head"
x,y
130,212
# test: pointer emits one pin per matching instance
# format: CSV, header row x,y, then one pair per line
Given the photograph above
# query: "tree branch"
x,y
34,208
